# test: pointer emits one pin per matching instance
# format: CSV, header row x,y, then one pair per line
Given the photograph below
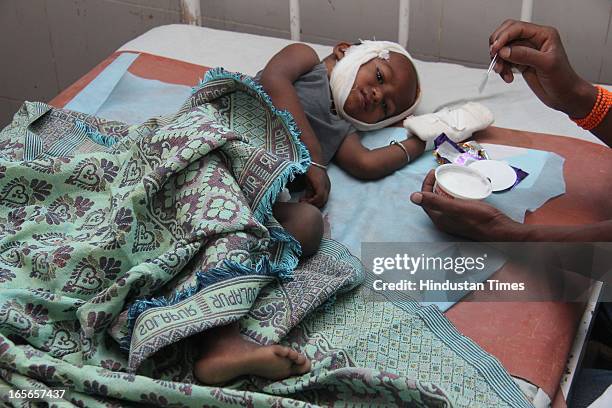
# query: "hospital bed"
x,y
540,342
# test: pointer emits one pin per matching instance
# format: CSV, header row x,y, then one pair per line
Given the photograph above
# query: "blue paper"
x,y
96,93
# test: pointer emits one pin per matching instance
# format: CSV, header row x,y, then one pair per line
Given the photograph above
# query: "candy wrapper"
x,y
463,154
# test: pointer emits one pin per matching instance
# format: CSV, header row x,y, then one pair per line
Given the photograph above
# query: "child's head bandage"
x,y
344,73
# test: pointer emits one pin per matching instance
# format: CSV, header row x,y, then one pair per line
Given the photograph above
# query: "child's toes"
x,y
293,355
301,359
302,368
281,351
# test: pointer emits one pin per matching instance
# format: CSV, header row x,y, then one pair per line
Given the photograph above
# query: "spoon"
x,y
485,78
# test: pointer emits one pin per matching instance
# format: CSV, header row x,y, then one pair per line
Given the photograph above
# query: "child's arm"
x,y
277,78
365,164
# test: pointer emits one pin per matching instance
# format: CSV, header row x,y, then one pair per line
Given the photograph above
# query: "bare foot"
x,y
228,355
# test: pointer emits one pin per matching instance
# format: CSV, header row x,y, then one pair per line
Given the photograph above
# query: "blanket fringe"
x,y
292,253
93,134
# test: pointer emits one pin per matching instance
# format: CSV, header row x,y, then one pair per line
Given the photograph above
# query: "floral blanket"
x,y
118,243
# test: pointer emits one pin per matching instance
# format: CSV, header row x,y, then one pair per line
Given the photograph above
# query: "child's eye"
x,y
379,76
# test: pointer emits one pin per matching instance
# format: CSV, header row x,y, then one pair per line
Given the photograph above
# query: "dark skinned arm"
x,y
277,79
366,164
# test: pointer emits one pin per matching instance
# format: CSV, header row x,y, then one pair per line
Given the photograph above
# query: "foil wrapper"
x,y
475,149
446,151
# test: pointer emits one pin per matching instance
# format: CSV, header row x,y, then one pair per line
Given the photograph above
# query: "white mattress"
x,y
443,84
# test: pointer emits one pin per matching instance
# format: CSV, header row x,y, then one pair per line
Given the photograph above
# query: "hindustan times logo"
x,y
414,264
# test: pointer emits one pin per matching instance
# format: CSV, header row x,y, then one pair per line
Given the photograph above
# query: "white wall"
x,y
48,44
439,30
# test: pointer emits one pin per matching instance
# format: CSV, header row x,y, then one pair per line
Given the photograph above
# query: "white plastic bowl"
x,y
456,181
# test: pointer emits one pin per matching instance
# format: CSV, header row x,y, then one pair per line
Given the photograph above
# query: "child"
x,y
374,84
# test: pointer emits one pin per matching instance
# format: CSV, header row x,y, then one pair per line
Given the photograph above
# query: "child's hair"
x,y
344,73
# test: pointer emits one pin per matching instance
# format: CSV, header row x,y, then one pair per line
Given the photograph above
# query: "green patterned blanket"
x,y
118,243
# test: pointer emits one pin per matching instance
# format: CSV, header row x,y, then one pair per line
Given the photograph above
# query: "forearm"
x,y
381,162
285,97
598,232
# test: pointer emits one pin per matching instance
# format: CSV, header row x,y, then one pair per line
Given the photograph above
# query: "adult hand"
x,y
317,187
537,52
471,219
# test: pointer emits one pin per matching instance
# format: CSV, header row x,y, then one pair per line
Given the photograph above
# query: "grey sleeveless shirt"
x,y
313,91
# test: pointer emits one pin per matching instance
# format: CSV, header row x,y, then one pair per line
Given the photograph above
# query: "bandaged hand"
x,y
317,187
458,123
537,52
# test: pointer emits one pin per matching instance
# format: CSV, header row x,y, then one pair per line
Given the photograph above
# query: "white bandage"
x,y
344,73
458,123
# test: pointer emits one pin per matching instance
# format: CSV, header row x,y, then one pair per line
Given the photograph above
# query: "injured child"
x,y
365,86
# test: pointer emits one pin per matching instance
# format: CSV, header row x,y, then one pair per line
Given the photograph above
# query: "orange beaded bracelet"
x,y
599,111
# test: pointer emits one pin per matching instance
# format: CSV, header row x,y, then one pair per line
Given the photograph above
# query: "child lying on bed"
x,y
358,87
365,86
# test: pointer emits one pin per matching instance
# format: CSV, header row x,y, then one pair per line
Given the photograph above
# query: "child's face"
x,y
382,89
